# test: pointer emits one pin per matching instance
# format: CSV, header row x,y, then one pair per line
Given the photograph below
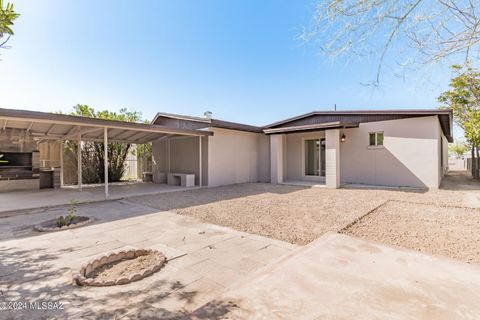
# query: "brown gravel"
x,y
122,268
290,213
447,231
436,221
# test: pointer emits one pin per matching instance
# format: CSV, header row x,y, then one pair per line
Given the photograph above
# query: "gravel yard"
x,y
289,213
447,231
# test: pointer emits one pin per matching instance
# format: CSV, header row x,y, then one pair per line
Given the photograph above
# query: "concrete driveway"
x,y
203,260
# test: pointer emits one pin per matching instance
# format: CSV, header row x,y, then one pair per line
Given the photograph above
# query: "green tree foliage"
x,y
93,152
458,149
464,100
7,16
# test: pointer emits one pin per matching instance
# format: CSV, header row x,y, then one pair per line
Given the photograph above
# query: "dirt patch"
x,y
122,268
51,225
448,231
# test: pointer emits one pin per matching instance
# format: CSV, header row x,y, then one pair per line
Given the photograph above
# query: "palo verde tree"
x,y
92,152
7,16
458,148
464,100
411,31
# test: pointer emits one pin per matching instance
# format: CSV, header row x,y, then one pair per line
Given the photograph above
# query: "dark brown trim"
x,y
312,127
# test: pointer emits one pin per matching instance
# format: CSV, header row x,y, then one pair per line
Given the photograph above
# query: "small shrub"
x,y
68,219
60,222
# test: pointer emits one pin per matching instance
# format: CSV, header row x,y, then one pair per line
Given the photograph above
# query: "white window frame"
x,y
376,145
304,176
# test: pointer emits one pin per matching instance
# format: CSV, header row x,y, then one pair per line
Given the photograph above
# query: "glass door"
x,y
312,157
322,157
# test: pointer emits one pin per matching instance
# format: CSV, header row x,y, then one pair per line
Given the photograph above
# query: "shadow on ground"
x,y
32,276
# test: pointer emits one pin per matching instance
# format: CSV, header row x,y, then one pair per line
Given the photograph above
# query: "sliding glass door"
x,y
314,157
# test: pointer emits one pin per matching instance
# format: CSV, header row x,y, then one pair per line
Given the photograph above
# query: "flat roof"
x,y
52,126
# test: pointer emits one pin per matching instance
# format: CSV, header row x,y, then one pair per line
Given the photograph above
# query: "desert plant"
x,y
60,222
70,217
92,152
72,212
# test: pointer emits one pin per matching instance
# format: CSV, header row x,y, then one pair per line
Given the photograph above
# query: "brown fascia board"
x,y
311,127
391,111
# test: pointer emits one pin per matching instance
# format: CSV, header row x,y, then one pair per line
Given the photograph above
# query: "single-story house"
x,y
400,148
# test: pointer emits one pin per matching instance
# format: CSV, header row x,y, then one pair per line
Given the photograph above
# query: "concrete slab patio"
x,y
204,260
22,200
341,277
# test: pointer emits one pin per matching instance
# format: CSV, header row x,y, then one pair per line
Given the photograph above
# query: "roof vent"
x,y
207,115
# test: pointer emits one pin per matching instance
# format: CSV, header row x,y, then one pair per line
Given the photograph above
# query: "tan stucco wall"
x,y
410,156
179,155
233,157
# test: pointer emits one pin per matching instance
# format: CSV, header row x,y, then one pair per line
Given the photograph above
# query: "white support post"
x,y
105,159
62,148
277,157
332,158
199,161
79,159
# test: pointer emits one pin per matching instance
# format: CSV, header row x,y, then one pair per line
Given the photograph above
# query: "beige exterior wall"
x,y
233,157
409,157
179,155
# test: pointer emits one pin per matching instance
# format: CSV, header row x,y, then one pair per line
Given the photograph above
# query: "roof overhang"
x,y
51,126
312,127
445,117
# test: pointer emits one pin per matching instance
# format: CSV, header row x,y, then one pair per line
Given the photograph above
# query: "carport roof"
x,y
51,126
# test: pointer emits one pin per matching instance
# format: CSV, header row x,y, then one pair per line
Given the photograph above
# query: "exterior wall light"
x,y
343,138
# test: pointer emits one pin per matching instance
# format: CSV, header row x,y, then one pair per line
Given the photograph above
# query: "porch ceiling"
x,y
49,126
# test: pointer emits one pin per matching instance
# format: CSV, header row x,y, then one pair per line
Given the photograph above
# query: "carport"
x,y
44,126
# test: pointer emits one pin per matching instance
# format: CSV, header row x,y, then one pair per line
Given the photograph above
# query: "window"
x,y
376,139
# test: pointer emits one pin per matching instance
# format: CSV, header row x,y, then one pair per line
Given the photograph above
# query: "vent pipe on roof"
x,y
207,115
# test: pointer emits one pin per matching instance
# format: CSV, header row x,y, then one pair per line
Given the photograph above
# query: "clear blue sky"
x,y
239,59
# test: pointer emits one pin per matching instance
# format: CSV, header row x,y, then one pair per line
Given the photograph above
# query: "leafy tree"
x,y
416,31
464,100
93,152
459,148
7,16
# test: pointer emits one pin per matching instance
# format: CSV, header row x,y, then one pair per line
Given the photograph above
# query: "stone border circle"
x,y
41,228
81,278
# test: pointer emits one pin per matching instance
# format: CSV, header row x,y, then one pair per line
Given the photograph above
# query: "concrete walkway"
x,y
341,277
204,260
22,200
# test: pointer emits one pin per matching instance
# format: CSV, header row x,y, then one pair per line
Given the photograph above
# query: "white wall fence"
x,y
131,164
455,164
